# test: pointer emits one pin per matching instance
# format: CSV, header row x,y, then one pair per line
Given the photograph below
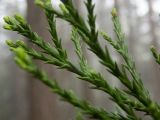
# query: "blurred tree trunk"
x,y
156,71
152,23
42,102
133,27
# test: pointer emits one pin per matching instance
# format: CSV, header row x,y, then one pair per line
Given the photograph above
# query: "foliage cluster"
x,y
135,98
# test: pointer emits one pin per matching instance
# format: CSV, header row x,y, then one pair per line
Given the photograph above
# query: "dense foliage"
x,y
135,98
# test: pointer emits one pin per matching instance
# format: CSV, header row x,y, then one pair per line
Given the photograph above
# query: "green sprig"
x,y
57,55
25,62
135,86
156,55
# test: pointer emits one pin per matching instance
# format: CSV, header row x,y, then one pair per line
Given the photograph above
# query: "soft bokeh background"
x,y
23,98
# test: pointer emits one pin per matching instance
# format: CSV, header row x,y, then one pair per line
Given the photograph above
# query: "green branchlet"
x,y
25,62
57,55
79,116
136,87
155,54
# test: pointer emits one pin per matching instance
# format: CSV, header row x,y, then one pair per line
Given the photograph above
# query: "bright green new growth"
x,y
135,98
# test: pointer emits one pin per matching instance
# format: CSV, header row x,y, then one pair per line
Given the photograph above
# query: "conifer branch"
x,y
62,62
57,55
90,76
25,62
135,86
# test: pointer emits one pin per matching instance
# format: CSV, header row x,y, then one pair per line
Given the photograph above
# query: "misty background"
x,y
24,98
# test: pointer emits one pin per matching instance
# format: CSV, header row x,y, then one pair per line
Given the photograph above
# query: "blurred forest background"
x,y
22,98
